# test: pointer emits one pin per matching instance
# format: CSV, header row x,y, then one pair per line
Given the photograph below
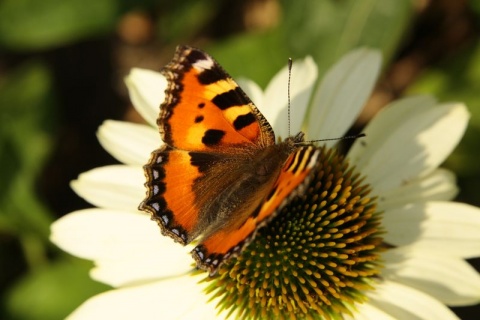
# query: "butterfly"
x,y
220,174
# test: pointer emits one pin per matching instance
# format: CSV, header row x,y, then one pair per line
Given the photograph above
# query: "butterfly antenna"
x,y
355,136
288,91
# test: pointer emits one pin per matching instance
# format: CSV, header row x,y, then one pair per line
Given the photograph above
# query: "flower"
x,y
428,235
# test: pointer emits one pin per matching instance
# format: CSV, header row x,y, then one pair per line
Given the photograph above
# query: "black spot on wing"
x,y
255,213
202,160
244,121
195,56
209,76
212,137
198,119
234,97
271,194
201,105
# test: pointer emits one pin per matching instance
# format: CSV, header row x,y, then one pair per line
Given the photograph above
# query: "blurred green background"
x,y
62,64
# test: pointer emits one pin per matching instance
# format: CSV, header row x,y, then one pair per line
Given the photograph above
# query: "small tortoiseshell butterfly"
x,y
220,174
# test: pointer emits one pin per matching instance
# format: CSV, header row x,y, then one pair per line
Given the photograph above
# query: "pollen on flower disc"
x,y
315,259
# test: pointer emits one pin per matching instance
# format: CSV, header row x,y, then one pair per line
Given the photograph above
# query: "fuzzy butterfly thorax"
x,y
220,175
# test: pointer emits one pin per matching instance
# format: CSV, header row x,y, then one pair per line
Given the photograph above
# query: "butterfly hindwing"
x,y
188,192
169,199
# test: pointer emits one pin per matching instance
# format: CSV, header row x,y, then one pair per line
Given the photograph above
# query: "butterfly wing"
x,y
191,193
205,109
170,199
205,116
293,178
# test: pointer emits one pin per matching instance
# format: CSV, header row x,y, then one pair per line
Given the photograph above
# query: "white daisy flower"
x,y
426,236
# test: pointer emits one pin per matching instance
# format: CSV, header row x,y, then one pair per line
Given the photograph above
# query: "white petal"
x,y
366,311
438,185
112,187
384,122
129,143
254,92
448,279
413,146
177,298
124,272
342,94
304,75
448,227
147,92
403,302
125,238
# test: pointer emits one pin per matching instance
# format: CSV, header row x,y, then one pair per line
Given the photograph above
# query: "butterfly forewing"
x,y
205,109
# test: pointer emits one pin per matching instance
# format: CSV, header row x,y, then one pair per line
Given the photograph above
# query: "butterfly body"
x,y
242,183
219,175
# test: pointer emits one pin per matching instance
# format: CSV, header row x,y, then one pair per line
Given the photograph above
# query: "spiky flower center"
x,y
315,259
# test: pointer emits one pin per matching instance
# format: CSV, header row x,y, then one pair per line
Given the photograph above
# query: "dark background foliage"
x,y
62,64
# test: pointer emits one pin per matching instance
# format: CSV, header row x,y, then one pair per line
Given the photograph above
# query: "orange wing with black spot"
x,y
205,109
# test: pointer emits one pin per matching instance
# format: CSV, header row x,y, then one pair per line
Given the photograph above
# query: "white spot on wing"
x,y
165,219
203,64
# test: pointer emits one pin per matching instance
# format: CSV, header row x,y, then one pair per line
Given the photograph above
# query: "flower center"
x,y
315,259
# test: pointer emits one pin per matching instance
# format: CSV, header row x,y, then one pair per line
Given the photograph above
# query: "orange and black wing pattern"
x,y
205,109
293,178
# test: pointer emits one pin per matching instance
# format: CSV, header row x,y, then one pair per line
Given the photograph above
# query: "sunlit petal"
x,y
451,280
147,91
112,187
426,137
437,185
344,90
109,237
403,302
128,142
304,75
175,298
367,311
449,227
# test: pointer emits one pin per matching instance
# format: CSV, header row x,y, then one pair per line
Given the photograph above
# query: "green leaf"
x,y
184,19
32,24
328,29
26,125
255,56
324,29
53,292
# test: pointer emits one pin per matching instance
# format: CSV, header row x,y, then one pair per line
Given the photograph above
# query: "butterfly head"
x,y
297,139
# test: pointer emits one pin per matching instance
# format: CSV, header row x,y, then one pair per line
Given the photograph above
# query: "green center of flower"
x,y
315,259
